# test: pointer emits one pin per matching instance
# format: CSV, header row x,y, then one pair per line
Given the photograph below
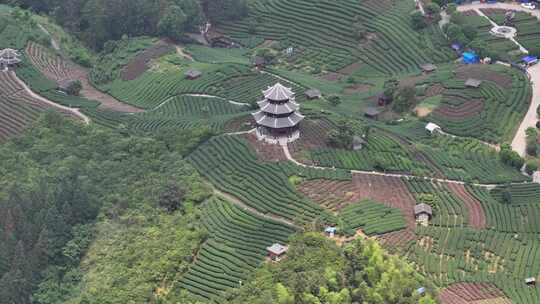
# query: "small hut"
x,y
530,281
65,84
313,94
330,231
473,83
383,100
372,112
276,252
423,213
193,74
358,143
428,68
433,128
9,58
259,62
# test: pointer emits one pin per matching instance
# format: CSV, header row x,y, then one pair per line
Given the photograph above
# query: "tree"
x,y
507,196
434,11
404,100
418,21
225,10
360,31
171,197
510,157
532,165
469,31
74,88
334,100
173,23
342,136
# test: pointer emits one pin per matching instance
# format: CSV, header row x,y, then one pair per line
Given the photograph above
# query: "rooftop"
x,y
278,92
193,73
277,122
423,208
278,108
277,249
432,127
313,93
428,67
473,83
372,111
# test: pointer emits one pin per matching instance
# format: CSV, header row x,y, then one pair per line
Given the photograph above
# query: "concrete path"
x,y
519,144
75,112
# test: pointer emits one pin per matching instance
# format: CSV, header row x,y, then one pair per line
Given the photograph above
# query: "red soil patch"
x,y
335,195
434,90
412,81
57,69
493,11
351,68
357,88
463,293
477,217
265,151
457,113
313,135
141,63
331,76
483,73
397,238
470,13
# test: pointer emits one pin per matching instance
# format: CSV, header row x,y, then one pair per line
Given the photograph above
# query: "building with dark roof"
x,y
423,213
372,112
278,116
259,61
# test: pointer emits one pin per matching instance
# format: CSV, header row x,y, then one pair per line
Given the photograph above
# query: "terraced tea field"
x,y
323,28
236,246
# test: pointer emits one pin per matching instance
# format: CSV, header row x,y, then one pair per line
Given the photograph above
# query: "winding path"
x,y
433,179
234,200
519,142
74,111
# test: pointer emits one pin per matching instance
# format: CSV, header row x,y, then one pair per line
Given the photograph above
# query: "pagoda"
x,y
278,117
9,57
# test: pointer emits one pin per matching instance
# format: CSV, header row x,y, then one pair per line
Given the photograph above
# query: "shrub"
x,y
532,165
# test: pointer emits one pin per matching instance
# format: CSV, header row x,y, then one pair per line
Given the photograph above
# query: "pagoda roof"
x,y
9,53
278,108
278,92
277,122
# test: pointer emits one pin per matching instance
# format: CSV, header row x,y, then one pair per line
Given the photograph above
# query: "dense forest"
x,y
97,21
55,180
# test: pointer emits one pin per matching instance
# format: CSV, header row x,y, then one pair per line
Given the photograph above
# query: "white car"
x,y
530,6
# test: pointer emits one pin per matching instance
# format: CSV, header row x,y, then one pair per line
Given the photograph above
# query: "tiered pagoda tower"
x,y
278,117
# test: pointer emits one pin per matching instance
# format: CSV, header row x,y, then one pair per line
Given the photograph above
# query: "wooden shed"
x,y
192,74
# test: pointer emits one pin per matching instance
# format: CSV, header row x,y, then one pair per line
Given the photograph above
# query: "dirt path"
x,y
75,112
203,96
88,90
234,200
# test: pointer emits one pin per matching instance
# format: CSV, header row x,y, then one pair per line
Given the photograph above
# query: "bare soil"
x,y
458,113
463,293
141,63
357,88
265,152
57,69
477,217
483,73
350,69
423,111
332,76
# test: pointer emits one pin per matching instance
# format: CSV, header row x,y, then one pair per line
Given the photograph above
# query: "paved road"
x,y
519,141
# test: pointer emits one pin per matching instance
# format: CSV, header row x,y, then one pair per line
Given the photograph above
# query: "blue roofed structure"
x,y
469,57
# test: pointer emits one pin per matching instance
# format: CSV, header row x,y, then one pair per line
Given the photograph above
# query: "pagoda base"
x,y
275,139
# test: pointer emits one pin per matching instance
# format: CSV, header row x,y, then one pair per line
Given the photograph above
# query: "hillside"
x,y
171,151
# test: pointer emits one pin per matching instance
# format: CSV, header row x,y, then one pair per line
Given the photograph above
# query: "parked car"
x,y
530,6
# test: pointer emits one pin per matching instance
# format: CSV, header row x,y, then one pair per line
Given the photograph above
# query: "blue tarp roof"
x,y
330,229
421,290
469,57
456,46
529,58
